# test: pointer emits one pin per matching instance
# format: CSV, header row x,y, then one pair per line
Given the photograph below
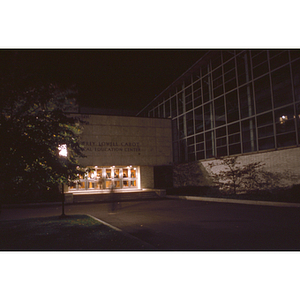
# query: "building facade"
x,y
235,102
122,151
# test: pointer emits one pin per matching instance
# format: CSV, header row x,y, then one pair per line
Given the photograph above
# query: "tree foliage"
x,y
33,124
234,177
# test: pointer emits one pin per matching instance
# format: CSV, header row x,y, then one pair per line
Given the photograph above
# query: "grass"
x,y
75,232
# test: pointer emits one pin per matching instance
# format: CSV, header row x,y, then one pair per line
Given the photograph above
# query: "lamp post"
x,y
63,153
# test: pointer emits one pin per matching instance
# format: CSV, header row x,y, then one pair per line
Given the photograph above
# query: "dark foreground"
x,y
189,225
79,232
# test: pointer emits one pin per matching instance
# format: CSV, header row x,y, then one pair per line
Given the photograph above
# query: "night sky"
x,y
119,79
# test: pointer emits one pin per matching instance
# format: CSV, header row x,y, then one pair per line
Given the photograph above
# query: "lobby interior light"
x,y
283,119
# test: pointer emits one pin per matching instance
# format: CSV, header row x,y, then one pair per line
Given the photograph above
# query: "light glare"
x,y
63,150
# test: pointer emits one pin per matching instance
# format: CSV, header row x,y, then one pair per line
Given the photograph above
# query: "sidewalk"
x,y
192,198
236,201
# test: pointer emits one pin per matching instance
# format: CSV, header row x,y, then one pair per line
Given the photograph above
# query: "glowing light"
x,y
283,119
63,151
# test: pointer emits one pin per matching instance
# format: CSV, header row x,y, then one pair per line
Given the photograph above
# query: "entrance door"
x,y
98,178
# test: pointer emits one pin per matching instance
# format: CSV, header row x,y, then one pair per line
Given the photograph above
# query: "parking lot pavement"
x,y
190,225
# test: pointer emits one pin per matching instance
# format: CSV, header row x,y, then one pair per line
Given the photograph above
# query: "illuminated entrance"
x,y
102,178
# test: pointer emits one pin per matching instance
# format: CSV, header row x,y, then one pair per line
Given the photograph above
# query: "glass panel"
x,y
296,79
232,107
221,151
100,183
167,109
219,112
248,146
265,119
209,138
295,54
180,103
233,139
234,128
197,85
198,119
259,58
108,173
221,131
191,156
125,184
263,94
279,60
266,131
227,54
199,138
229,75
248,136
235,149
243,69
197,98
297,117
188,103
91,185
133,173
221,141
200,155
188,90
261,70
206,88
217,74
266,143
174,106
246,101
218,91
116,173
200,147
181,127
133,183
189,123
282,86
216,61
125,173
284,140
72,186
99,173
208,116
117,184
190,141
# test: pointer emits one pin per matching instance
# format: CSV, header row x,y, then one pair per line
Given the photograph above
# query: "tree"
x,y
233,177
33,125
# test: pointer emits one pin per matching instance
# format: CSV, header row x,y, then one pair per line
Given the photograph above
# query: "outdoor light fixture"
x,y
63,151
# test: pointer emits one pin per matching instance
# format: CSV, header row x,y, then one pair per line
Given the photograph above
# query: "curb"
x,y
123,232
236,201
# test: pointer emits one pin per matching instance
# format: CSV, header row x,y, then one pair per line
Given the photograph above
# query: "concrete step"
x,y
117,196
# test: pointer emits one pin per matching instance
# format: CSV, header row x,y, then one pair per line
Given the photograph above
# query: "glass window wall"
x,y
240,102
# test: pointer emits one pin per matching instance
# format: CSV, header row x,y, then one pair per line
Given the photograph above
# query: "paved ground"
x,y
190,225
